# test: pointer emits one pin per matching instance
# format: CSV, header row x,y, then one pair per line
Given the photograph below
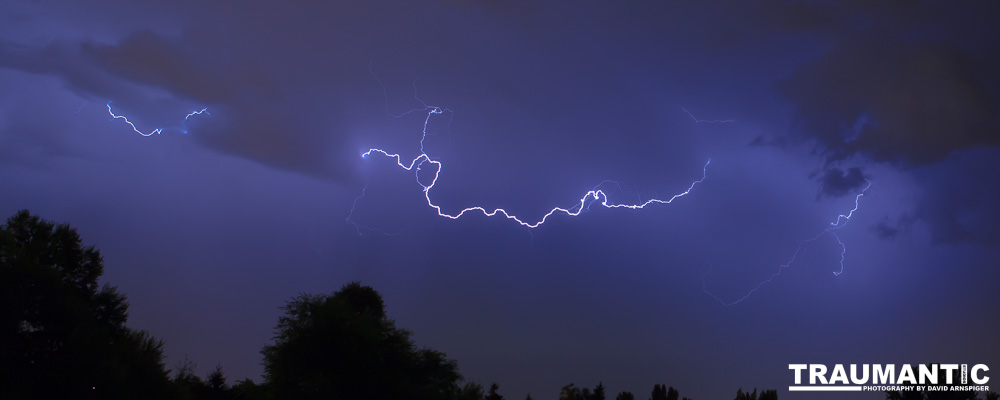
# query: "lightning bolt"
x,y
593,196
199,112
831,230
157,131
361,228
711,121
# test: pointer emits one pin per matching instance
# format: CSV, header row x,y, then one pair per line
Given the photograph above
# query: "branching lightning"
x,y
591,197
831,229
361,229
594,196
157,131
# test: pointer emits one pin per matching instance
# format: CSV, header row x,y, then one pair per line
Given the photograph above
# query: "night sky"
x,y
212,224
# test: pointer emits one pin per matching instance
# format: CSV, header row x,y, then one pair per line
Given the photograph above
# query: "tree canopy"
x,y
60,335
343,346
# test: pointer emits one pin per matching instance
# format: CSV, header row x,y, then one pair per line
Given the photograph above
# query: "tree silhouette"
x,y
215,386
471,391
63,336
60,335
934,395
937,395
344,346
672,394
662,392
764,395
573,392
248,390
217,379
598,392
187,385
493,395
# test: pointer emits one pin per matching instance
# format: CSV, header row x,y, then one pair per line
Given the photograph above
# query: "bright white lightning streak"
x,y
841,221
199,112
157,130
589,197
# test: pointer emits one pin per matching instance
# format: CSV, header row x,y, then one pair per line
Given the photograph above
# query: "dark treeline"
x,y
64,337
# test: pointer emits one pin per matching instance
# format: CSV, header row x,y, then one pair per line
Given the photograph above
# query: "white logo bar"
x,y
824,388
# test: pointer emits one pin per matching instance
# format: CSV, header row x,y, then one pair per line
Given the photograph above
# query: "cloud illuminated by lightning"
x,y
831,229
591,197
157,131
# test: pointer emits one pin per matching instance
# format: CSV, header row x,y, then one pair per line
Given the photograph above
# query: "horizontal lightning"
x,y
156,131
592,196
199,112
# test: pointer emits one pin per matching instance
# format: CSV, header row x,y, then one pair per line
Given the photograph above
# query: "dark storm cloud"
x,y
261,121
896,81
836,182
549,100
287,87
885,229
902,82
905,102
911,84
749,23
151,59
80,73
251,117
960,198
